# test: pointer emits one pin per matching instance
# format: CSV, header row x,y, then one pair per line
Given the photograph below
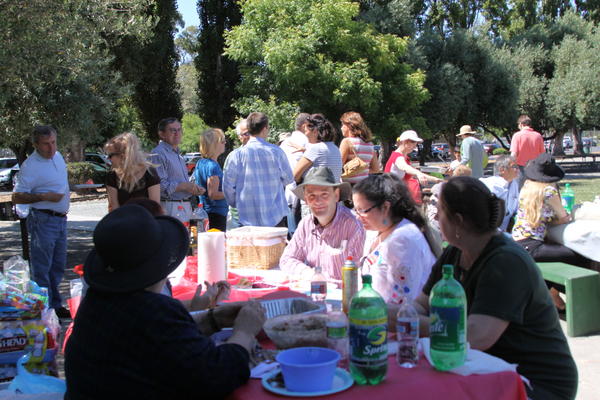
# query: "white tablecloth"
x,y
583,236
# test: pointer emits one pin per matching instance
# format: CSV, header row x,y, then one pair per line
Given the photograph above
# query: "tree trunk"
x,y
75,150
577,144
558,149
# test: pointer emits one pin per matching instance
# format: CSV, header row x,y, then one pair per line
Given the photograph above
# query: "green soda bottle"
x,y
368,335
447,325
568,198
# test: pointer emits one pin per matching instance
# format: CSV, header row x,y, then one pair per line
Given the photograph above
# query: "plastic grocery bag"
x,y
27,383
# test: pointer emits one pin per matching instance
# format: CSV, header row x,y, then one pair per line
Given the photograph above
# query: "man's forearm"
x,y
26,198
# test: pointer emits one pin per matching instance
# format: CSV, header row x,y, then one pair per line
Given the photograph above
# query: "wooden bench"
x,y
582,287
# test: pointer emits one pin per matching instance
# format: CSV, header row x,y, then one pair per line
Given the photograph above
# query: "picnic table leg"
x,y
24,238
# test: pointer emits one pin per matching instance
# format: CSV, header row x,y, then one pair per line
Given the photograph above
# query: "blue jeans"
x,y
48,252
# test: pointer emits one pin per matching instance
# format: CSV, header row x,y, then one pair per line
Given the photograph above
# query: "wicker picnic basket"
x,y
255,247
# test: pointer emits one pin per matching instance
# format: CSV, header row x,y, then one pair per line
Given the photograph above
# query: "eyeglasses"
x,y
362,213
111,155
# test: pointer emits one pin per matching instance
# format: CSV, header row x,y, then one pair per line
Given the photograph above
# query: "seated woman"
x,y
510,314
208,174
540,206
131,175
131,341
400,256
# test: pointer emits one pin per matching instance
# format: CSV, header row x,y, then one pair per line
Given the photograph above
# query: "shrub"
x,y
80,172
499,151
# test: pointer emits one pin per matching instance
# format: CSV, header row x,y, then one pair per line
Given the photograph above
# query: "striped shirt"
x,y
254,179
365,152
325,154
171,171
328,247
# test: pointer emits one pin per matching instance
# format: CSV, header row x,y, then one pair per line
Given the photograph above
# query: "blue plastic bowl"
x,y
308,369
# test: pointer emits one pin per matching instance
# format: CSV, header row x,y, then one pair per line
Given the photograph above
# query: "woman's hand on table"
x,y
215,293
247,325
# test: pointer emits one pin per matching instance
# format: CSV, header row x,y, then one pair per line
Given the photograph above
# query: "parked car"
x,y
588,141
8,170
190,161
97,158
440,150
490,147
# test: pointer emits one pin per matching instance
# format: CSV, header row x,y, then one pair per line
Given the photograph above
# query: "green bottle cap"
x,y
367,279
448,270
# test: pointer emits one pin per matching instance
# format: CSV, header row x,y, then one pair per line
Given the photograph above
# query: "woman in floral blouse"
x,y
540,206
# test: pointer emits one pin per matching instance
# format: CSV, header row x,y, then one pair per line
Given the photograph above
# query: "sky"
x,y
187,8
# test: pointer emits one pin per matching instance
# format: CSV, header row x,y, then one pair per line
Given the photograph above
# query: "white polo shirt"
x,y
43,175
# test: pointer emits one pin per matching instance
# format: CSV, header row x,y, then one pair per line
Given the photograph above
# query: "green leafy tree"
x,y
187,44
217,74
192,126
187,82
467,82
316,55
150,66
56,70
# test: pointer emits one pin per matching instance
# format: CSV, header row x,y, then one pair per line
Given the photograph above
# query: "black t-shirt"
x,y
504,282
150,178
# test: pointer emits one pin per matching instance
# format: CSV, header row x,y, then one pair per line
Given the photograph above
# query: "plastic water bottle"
x,y
318,286
337,335
568,198
180,214
447,326
200,218
407,333
368,335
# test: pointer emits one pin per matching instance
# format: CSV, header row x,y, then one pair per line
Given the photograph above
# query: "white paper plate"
x,y
341,381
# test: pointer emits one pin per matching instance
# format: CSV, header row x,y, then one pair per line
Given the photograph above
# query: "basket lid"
x,y
257,231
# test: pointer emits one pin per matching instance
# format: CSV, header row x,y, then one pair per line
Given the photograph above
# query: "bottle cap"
x,y
367,279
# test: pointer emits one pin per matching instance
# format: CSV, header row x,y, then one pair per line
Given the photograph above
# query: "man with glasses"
x,y
42,184
255,176
505,185
175,188
328,235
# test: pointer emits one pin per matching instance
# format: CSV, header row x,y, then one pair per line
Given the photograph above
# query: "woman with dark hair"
x,y
510,314
321,150
400,256
357,142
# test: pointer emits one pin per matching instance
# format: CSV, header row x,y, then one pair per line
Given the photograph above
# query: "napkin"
x,y
477,362
263,368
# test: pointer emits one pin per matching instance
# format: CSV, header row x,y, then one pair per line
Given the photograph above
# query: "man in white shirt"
x,y
42,183
293,146
505,185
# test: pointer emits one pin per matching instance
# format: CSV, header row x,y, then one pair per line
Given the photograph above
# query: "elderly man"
x,y
42,183
329,234
242,132
505,185
175,188
471,151
255,176
525,145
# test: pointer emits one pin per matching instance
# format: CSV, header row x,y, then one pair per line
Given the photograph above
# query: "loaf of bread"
x,y
297,330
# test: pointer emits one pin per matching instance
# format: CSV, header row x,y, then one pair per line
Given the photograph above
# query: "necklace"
x,y
381,236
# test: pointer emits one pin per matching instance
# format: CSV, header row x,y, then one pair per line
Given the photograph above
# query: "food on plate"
x,y
287,331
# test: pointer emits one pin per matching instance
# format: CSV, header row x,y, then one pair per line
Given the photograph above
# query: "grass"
x,y
585,187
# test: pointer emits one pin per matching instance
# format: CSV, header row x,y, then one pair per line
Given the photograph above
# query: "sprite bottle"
x,y
368,335
568,198
447,325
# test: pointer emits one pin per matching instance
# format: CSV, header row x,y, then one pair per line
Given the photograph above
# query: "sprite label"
x,y
368,341
445,329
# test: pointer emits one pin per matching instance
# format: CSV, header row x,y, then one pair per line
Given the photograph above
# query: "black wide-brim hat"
x,y
133,250
544,169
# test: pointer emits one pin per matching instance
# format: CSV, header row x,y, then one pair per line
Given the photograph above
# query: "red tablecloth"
x,y
422,382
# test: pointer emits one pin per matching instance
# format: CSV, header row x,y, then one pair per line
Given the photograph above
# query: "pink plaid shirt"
x,y
313,245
